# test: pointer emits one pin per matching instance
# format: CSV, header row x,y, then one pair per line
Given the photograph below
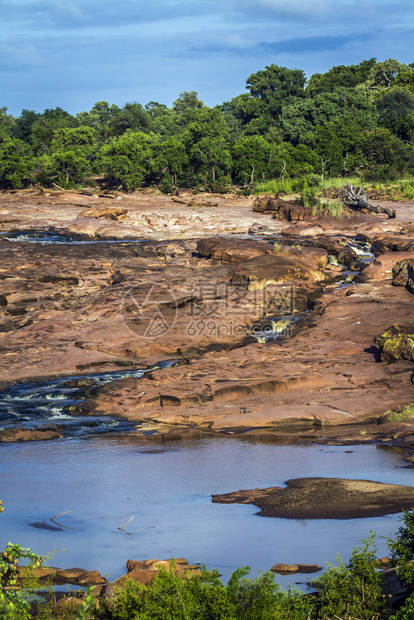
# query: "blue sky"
x,y
72,53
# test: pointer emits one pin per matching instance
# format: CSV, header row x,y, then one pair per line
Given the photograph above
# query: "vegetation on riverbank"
x,y
348,591
353,121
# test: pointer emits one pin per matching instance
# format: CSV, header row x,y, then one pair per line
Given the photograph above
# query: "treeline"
x,y
351,120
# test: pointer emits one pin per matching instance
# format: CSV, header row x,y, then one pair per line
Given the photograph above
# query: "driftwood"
x,y
357,198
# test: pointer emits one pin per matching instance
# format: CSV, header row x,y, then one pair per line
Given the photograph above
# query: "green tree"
x,y
287,160
405,80
162,119
206,140
170,160
131,117
101,113
44,128
187,101
381,77
7,124
385,156
250,155
270,89
300,118
127,160
338,146
340,76
352,590
24,125
15,162
402,549
395,112
71,157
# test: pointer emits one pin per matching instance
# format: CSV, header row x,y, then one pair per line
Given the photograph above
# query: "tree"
x,y
395,109
269,89
405,80
131,117
101,113
340,76
304,115
170,159
24,125
187,101
161,120
45,126
70,160
15,162
381,77
250,155
7,124
385,156
206,140
352,590
126,160
287,160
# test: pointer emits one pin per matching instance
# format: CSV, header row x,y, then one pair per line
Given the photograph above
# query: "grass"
x,y
399,189
334,208
278,246
274,186
400,415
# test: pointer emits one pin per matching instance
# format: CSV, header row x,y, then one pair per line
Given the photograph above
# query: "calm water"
x,y
167,489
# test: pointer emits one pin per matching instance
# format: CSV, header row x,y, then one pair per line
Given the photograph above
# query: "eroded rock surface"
x,y
196,295
325,498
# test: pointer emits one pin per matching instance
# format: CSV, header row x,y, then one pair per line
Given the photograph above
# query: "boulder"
x,y
233,250
396,342
282,209
382,267
145,571
289,569
261,271
403,274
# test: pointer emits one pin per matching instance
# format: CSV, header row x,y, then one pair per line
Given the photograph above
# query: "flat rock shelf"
x,y
325,498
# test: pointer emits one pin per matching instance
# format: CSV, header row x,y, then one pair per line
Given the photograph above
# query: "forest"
x,y
355,120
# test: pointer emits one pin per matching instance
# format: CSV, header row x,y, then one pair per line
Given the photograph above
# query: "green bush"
x,y
402,549
169,597
352,590
406,612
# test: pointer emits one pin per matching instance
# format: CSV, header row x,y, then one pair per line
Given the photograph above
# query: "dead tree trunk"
x,y
357,198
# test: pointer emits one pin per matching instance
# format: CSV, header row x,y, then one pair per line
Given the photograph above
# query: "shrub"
x,y
402,549
353,590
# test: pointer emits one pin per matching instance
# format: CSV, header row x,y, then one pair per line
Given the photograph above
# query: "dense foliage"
x,y
355,120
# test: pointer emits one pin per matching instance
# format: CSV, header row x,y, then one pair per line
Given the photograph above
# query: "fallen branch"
x,y
60,514
357,198
122,525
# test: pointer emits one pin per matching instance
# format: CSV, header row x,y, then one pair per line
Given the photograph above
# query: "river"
x,y
167,490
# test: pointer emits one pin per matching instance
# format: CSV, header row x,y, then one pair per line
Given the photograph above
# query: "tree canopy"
x,y
351,120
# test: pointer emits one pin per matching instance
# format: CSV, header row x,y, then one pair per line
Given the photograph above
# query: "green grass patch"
x,y
274,186
400,415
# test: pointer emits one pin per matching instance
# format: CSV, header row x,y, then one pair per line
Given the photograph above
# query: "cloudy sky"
x,y
72,53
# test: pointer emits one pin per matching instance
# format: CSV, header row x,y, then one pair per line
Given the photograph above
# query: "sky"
x,y
73,53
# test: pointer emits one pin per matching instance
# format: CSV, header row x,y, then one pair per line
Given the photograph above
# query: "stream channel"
x,y
100,475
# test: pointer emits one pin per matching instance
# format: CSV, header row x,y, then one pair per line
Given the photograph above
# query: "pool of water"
x,y
167,490
47,238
